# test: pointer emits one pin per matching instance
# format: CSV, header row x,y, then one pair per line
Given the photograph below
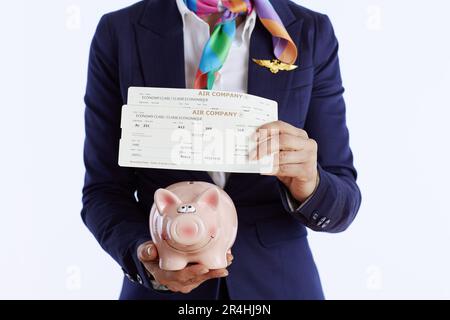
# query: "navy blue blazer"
x,y
142,45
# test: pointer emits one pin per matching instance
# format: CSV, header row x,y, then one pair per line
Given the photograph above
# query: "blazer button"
x,y
321,221
139,279
326,223
129,277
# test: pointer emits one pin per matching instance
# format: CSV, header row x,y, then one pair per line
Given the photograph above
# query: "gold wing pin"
x,y
275,65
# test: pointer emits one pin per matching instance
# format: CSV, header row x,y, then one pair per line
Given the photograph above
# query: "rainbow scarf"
x,y
218,46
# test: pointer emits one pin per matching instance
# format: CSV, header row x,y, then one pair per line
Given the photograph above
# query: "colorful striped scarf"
x,y
218,46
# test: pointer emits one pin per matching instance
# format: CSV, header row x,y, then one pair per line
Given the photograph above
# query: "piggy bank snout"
x,y
187,229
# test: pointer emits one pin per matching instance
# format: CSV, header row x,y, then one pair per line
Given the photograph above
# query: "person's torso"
x,y
150,52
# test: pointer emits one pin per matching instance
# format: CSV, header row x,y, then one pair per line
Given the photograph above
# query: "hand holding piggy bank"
x,y
192,222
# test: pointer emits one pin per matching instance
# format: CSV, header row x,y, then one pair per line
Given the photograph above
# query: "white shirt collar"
x,y
247,29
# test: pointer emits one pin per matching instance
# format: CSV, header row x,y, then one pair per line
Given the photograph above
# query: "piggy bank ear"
x,y
210,197
165,198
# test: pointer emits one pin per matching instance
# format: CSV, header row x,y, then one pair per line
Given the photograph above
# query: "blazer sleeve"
x,y
337,199
110,209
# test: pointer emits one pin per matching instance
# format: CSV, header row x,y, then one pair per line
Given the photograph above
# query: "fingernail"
x,y
149,250
204,271
229,251
225,273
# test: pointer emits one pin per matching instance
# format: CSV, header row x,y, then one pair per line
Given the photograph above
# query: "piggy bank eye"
x,y
182,209
190,209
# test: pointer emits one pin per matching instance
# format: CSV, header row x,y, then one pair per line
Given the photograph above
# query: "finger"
x,y
147,252
189,285
184,288
300,171
218,273
282,127
194,283
153,268
188,289
294,157
288,142
265,145
289,170
174,287
284,142
189,273
229,258
182,276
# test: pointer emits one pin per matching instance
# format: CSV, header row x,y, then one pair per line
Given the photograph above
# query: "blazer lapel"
x,y
159,37
262,82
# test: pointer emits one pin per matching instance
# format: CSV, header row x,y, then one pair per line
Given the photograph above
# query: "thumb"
x,y
147,252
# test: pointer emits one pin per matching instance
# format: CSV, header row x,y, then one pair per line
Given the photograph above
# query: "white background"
x,y
395,59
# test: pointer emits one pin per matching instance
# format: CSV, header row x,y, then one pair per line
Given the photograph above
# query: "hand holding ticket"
x,y
193,130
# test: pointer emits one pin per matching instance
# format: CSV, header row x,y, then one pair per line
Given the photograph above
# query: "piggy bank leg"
x,y
215,261
172,262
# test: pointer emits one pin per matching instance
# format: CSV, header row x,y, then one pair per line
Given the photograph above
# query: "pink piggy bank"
x,y
192,222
